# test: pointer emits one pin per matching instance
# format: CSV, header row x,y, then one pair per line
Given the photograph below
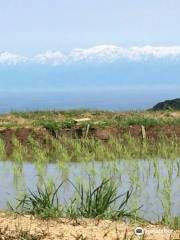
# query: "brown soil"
x,y
22,135
100,133
80,229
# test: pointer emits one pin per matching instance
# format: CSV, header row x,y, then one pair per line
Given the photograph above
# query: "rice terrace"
x,y
117,169
90,120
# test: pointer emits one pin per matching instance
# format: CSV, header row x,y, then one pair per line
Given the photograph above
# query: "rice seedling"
x,y
94,198
174,222
18,155
58,152
166,202
92,202
37,151
2,149
19,152
39,155
67,149
43,203
98,201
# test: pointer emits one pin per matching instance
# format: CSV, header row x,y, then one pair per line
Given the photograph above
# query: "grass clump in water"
x,y
90,201
101,201
43,203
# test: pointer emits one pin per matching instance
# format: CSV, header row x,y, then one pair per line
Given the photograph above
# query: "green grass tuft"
x,y
101,201
43,203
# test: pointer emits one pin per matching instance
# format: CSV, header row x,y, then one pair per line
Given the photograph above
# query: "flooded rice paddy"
x,y
155,183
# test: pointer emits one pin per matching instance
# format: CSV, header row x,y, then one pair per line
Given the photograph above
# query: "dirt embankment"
x,y
42,135
15,227
154,132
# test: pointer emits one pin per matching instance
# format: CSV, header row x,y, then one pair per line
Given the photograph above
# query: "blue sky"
x,y
95,45
28,27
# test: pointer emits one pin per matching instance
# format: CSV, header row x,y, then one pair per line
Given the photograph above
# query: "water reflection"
x,y
155,183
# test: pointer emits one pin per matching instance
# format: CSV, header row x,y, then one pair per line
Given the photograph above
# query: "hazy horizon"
x,y
118,54
63,100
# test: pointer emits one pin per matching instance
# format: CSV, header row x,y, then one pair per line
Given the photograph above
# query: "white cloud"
x,y
102,53
11,58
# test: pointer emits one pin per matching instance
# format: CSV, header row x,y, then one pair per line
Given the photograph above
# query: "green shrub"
x,y
147,122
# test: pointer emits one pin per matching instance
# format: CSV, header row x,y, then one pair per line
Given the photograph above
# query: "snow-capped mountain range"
x,y
102,53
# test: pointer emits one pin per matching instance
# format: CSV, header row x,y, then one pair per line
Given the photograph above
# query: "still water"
x,y
155,183
44,100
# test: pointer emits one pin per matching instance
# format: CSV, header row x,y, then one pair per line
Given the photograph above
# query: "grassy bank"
x,y
55,120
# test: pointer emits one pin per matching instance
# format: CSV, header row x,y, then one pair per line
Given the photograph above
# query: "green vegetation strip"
x,y
54,120
116,121
67,149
